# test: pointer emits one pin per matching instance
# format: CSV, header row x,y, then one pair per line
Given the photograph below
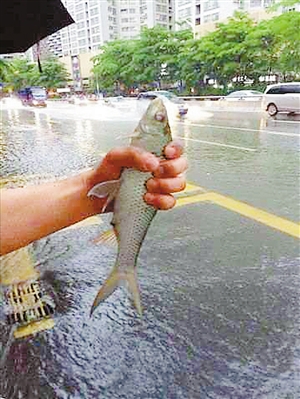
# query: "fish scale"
x,y
132,216
132,229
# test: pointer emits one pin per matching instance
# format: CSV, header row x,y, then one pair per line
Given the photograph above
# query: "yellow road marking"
x,y
276,222
17,266
191,187
193,199
271,220
33,328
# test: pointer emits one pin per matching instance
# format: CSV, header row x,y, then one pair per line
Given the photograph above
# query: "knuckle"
x,y
182,184
151,185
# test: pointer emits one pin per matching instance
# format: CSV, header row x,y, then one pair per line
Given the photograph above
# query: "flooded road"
x,y
219,274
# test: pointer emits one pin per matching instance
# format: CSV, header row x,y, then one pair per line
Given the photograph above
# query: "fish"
x,y
132,216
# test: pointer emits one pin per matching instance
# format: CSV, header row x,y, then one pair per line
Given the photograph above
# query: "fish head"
x,y
153,128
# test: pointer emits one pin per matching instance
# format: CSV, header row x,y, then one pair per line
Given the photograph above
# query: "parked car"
x,y
168,98
249,95
282,97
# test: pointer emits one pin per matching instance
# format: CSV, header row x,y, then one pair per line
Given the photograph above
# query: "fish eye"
x,y
159,116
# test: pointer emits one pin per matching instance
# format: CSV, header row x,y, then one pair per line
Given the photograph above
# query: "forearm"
x,y
30,213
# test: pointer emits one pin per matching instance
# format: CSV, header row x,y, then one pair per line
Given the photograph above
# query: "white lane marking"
x,y
243,128
218,144
283,121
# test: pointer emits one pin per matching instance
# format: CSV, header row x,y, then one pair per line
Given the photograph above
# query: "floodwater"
x,y
220,290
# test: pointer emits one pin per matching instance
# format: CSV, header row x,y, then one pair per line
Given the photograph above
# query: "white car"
x,y
282,97
248,95
144,98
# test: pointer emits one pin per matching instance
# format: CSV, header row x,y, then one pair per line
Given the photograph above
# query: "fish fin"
x,y
128,136
104,189
133,288
108,237
135,133
114,280
107,189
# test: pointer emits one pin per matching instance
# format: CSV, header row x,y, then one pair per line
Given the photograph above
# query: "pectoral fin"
x,y
134,134
105,189
108,237
115,279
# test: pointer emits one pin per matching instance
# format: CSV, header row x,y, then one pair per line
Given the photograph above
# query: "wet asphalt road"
x,y
220,290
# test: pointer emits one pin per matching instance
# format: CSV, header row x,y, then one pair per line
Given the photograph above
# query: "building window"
x,y
80,25
81,42
79,16
96,39
211,17
185,13
94,21
183,2
81,33
94,11
79,7
161,8
95,29
210,5
161,18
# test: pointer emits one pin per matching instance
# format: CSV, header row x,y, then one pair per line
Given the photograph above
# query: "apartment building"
x,y
95,23
133,15
100,21
202,15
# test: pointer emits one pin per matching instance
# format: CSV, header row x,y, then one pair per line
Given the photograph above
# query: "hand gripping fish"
x,y
132,216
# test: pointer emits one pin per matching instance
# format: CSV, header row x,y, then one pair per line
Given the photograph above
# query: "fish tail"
x,y
114,280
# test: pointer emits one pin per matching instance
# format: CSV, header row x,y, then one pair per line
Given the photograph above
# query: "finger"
x,y
166,186
128,157
160,201
171,168
174,149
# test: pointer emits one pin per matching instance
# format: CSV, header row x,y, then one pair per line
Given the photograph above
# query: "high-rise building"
x,y
195,14
191,13
133,15
95,24
100,21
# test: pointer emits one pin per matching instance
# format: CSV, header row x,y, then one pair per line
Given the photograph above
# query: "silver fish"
x,y
132,216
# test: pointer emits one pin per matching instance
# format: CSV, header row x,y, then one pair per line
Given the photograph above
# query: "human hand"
x,y
167,174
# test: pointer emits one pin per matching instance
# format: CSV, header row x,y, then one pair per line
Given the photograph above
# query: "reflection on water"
x,y
221,293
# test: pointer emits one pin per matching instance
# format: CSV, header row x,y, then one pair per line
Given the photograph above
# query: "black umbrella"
x,y
24,22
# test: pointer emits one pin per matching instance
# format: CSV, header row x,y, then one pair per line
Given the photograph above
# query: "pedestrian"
x,y
33,212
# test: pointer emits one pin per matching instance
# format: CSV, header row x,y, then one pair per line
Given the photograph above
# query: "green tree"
x,y
285,29
151,58
5,68
157,55
21,73
284,3
112,65
53,75
24,73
